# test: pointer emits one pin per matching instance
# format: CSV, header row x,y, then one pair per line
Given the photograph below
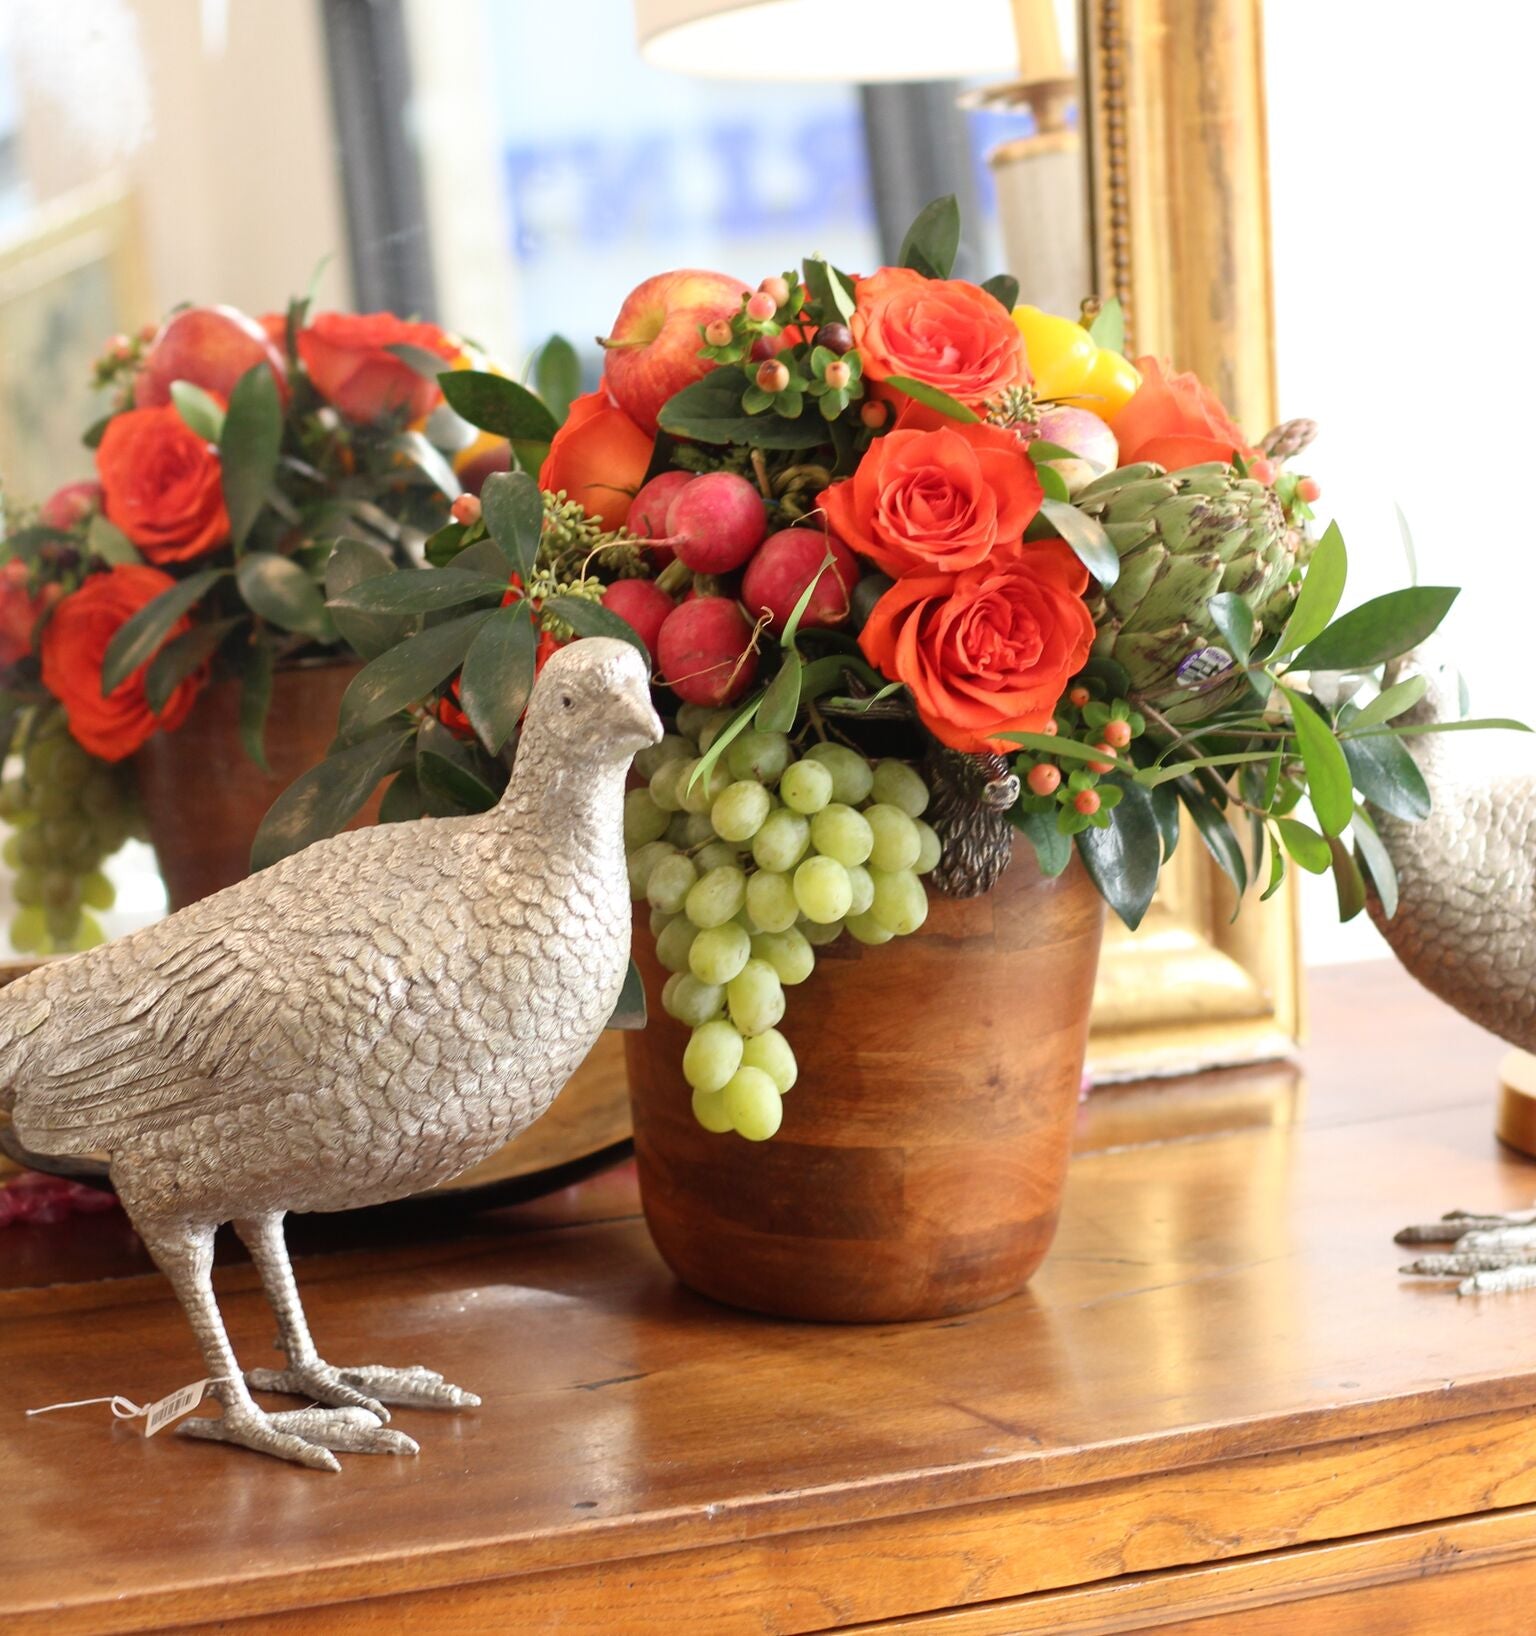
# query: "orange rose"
x,y
350,366
946,498
74,649
599,457
1176,420
162,485
942,331
20,610
988,650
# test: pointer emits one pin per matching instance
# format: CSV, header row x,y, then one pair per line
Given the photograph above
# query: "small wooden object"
x,y
1516,1122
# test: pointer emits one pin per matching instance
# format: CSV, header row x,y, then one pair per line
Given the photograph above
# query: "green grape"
x,y
868,930
771,1052
11,852
717,855
837,831
673,747
691,719
755,997
641,862
771,901
715,897
806,786
789,953
897,842
817,935
710,1111
743,918
901,904
88,935
712,1055
898,785
713,727
38,761
852,775
99,794
29,930
822,890
929,847
13,799
676,832
780,844
691,1001
670,882
862,885
703,795
63,922
698,829
27,886
754,1104
757,755
666,788
660,919
54,800
97,892
643,819
716,955
674,942
32,849
739,812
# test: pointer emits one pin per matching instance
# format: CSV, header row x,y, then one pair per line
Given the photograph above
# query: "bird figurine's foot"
x,y
1489,1254
367,1387
304,1436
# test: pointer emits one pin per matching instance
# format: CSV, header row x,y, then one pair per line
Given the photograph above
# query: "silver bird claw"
x,y
369,1387
303,1436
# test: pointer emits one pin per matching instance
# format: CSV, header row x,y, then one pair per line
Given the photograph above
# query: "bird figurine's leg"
x,y
307,1374
1490,1254
184,1253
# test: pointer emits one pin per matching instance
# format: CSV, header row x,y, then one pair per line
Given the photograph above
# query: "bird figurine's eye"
x,y
566,701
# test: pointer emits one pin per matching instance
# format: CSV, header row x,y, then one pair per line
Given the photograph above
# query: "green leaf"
x,y
1406,535
428,459
1053,486
282,593
722,740
256,669
803,601
443,546
320,802
1329,781
249,446
497,405
593,619
1124,860
1232,616
1276,870
450,773
1004,288
710,411
350,564
514,517
1070,750
1155,777
498,675
557,374
630,1011
1377,861
934,399
402,800
1386,774
1219,837
107,541
406,674
1473,724
200,412
780,702
1305,845
1108,326
1321,587
138,640
420,590
1165,808
1348,882
1089,542
180,657
1377,630
1053,850
1391,702
829,289
933,239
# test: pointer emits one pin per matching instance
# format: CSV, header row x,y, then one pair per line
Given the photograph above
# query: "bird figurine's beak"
x,y
641,714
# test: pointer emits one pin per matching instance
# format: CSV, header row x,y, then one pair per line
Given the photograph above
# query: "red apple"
x,y
212,347
786,563
653,351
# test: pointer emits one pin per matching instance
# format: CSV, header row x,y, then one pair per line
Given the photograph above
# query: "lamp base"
x,y
1516,1121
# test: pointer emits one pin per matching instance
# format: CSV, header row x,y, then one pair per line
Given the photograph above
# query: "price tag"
x,y
157,1415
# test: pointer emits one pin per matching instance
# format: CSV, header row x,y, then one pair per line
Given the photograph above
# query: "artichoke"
x,y
1183,537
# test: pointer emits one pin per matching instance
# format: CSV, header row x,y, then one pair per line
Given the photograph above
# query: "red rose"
x,y
945,498
988,650
942,331
20,610
74,648
350,366
1176,421
162,485
599,457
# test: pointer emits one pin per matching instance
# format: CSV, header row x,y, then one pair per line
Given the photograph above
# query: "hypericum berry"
x,y
1309,490
1086,802
1102,766
1117,734
466,509
776,289
838,375
772,376
718,332
761,306
762,348
121,348
836,338
873,414
1262,470
1078,697
1051,728
1043,778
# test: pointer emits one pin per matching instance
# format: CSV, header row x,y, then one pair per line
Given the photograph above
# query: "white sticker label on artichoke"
x,y
1204,665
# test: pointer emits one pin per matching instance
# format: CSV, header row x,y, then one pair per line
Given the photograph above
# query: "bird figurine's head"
x,y
593,699
1444,696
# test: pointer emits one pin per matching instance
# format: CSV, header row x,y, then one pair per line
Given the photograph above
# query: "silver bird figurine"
x,y
367,1018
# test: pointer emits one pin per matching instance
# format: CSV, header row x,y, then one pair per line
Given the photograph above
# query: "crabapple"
x,y
785,563
705,652
715,522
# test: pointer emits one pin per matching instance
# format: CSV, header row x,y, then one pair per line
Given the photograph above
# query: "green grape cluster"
x,y
749,863
69,813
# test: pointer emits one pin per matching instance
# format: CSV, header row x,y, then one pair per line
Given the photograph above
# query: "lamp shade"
x,y
862,40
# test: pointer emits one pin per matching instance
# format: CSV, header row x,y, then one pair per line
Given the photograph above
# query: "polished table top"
x,y
1220,1324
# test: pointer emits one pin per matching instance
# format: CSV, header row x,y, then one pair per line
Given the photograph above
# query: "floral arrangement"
x,y
236,454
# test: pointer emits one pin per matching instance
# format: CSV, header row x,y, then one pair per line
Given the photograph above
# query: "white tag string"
x,y
157,1415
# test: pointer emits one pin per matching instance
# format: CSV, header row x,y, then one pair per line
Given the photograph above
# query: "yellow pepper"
x,y
1069,368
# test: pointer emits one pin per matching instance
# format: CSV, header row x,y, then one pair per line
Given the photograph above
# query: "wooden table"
x,y
1218,1410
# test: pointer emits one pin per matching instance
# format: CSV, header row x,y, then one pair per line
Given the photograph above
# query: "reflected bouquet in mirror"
x,y
917,570
237,452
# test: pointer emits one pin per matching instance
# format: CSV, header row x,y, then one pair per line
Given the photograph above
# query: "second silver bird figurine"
x,y
363,1020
